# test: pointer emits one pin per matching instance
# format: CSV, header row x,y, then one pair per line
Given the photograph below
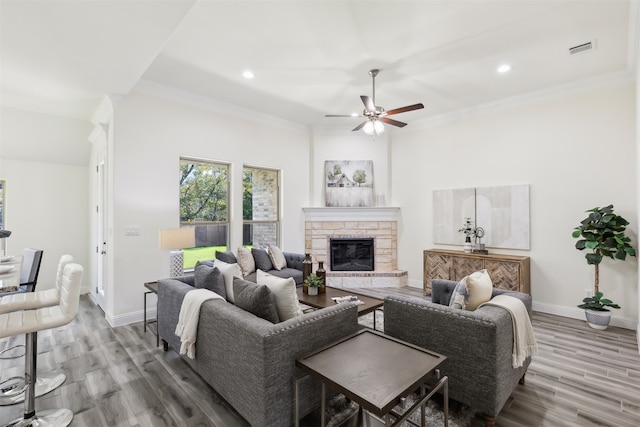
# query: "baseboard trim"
x,y
577,313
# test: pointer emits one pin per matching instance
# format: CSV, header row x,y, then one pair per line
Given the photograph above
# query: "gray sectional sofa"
x,y
249,361
478,344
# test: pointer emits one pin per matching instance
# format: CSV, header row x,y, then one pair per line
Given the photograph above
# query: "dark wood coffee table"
x,y
376,371
324,300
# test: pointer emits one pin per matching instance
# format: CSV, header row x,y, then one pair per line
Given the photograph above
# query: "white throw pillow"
x,y
228,272
277,257
285,292
245,261
479,289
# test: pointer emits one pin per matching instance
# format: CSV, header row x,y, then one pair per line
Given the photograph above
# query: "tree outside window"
x,y
204,201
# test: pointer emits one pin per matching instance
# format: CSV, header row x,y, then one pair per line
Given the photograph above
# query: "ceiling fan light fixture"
x,y
373,127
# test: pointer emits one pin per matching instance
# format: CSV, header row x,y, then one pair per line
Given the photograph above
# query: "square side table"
x,y
376,371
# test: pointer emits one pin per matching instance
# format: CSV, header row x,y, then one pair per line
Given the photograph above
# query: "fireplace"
x,y
352,254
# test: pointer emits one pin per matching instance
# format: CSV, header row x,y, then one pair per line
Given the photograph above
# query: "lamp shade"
x,y
177,238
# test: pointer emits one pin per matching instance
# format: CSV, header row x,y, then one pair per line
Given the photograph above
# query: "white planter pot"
x,y
312,290
598,319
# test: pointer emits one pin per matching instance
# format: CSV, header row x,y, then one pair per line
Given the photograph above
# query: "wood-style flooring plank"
x,y
118,377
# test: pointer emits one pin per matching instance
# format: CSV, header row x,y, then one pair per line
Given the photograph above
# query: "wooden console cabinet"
x,y
507,271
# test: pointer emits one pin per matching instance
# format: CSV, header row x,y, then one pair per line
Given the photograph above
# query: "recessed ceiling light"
x,y
354,114
504,68
248,74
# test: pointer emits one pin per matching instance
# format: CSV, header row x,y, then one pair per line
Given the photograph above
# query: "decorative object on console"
x,y
478,247
177,239
349,183
503,212
313,282
603,232
468,230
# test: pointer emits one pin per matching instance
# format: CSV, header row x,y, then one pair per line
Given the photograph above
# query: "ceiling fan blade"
x,y
368,103
392,122
405,109
340,115
360,126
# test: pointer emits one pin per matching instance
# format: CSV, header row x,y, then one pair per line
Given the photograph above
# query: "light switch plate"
x,y
132,230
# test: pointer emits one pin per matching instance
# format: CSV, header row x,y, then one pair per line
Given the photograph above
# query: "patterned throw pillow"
x,y
246,261
256,299
208,277
277,257
459,295
479,289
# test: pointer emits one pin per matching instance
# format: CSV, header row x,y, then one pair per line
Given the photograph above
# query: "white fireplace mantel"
x,y
378,213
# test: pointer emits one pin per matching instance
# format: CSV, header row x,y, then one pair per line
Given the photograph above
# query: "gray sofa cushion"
x,y
210,278
227,257
261,257
256,299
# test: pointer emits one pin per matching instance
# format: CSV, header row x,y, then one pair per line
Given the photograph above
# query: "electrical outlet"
x,y
588,293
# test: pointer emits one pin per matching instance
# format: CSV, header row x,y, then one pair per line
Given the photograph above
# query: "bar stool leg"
x,y
48,418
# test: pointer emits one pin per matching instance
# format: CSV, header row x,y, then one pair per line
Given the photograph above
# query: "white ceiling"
x,y
310,58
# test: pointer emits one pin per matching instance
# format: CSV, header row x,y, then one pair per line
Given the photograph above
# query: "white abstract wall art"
x,y
503,212
349,183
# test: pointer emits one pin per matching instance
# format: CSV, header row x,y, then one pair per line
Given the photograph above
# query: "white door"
x,y
102,246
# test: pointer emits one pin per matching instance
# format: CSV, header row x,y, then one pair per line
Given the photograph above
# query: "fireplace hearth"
x,y
352,254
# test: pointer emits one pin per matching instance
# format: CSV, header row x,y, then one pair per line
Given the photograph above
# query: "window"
x,y
204,201
260,207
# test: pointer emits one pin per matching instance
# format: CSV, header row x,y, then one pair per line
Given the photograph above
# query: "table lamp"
x,y
176,239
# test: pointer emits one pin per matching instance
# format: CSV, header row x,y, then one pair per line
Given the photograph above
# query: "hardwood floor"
x,y
118,377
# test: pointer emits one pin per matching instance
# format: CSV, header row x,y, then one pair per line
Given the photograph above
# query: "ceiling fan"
x,y
374,114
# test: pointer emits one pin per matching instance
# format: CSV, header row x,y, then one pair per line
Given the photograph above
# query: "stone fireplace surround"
x,y
379,223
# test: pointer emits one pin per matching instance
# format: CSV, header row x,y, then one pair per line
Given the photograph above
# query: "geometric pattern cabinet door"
x,y
509,272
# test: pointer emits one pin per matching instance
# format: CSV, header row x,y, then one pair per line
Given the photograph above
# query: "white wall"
x,y
344,145
46,208
150,135
576,151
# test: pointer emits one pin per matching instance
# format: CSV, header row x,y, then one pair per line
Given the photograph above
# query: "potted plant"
x,y
313,282
603,234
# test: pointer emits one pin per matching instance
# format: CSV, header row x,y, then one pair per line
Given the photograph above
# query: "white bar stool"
x,y
12,390
29,322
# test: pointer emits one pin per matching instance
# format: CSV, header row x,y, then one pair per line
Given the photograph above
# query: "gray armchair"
x,y
478,344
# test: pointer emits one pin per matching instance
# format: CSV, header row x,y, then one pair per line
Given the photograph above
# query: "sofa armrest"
x,y
294,260
171,292
478,345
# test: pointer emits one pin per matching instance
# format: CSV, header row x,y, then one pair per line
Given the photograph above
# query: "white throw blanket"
x,y
524,341
187,327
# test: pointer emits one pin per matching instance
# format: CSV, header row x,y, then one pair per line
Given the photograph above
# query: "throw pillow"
x,y
459,295
261,257
229,271
226,256
245,261
205,276
256,299
479,289
284,291
277,257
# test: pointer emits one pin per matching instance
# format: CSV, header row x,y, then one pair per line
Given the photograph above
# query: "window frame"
x,y
278,203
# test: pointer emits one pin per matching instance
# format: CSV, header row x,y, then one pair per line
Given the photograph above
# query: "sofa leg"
x,y
489,421
521,379
165,345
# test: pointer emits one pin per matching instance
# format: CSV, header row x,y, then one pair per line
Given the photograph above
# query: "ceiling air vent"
x,y
582,48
